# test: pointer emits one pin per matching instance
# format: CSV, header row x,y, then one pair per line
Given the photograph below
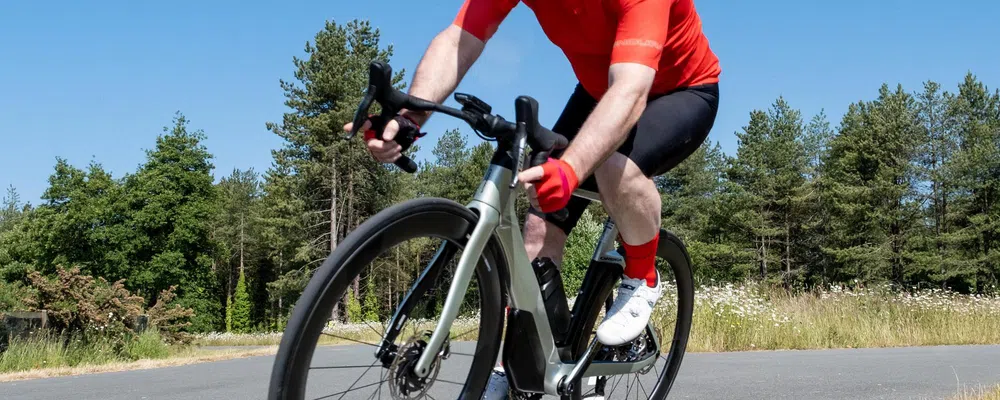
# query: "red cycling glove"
x,y
406,124
556,186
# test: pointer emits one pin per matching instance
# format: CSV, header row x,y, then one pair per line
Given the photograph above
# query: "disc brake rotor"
x,y
404,384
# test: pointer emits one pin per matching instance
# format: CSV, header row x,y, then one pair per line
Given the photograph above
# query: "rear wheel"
x,y
439,229
671,322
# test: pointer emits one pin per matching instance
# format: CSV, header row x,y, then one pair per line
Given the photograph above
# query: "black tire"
x,y
672,249
424,217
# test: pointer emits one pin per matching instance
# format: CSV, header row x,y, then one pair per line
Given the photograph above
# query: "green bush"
x,y
14,296
579,250
370,304
229,313
353,307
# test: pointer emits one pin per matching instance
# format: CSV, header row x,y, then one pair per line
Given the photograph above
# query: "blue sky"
x,y
98,80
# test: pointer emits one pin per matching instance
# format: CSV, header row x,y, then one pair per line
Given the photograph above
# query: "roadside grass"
x,y
981,393
464,328
51,355
755,317
727,318
54,351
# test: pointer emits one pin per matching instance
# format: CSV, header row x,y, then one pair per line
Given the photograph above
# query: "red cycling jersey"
x,y
665,35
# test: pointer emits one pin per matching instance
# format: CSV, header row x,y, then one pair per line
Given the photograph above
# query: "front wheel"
x,y
413,277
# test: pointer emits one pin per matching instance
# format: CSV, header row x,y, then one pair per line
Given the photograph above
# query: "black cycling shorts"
x,y
672,126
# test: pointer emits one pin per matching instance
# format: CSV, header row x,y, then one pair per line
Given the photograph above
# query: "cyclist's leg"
x,y
671,128
543,236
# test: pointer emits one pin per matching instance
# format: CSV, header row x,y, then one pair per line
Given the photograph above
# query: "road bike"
x,y
549,348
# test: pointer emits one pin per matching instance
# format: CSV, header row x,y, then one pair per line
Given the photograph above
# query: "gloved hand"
x,y
550,185
389,149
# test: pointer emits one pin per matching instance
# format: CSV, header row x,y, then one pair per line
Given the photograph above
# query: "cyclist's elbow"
x,y
631,80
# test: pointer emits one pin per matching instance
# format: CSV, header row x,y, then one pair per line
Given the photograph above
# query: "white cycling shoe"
x,y
630,311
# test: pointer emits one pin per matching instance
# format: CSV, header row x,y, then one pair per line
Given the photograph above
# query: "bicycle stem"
x,y
489,218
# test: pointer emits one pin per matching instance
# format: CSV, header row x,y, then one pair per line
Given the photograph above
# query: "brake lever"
x,y
361,114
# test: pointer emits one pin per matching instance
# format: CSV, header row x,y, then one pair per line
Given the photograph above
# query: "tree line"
x,y
904,190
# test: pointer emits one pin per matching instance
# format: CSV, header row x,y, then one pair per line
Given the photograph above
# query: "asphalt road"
x,y
902,373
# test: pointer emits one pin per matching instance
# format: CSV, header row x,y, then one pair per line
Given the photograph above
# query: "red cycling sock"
x,y
640,260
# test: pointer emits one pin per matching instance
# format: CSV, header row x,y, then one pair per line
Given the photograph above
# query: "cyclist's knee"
x,y
624,180
543,239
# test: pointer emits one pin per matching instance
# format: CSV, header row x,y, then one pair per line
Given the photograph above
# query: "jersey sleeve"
x,y
481,18
642,32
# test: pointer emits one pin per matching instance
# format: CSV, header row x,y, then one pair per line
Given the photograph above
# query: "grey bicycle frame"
x,y
494,201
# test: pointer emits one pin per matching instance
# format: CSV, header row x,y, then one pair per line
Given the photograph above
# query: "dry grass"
x,y
752,317
190,356
980,394
47,358
48,350
368,332
755,317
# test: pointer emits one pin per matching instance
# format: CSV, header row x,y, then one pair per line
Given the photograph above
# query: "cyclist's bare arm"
x,y
642,31
615,114
444,64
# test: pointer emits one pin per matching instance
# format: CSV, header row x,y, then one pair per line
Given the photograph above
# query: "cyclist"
x,y
647,98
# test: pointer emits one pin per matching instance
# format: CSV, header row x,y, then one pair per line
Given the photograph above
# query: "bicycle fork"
x,y
488,220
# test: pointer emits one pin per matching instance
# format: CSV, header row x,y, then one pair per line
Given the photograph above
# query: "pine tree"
x,y
580,246
695,209
934,258
813,217
871,190
10,210
281,231
337,182
975,215
769,167
242,308
236,229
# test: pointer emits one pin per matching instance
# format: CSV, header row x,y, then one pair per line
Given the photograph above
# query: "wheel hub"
x,y
404,383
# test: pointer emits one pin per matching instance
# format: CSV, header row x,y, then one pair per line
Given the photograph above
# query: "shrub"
x,y
81,304
89,307
13,296
370,304
170,319
353,307
579,251
229,313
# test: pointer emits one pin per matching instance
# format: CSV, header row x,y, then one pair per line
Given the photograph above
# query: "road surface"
x,y
900,373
